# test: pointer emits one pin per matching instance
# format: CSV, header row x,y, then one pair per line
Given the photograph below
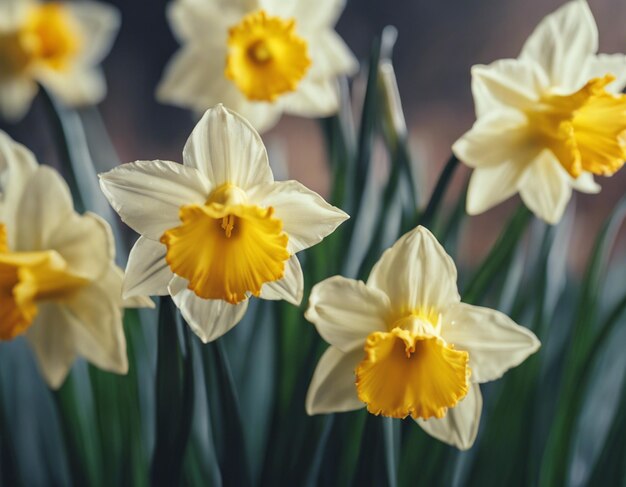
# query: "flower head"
x,y
57,44
59,285
260,58
403,344
547,121
217,229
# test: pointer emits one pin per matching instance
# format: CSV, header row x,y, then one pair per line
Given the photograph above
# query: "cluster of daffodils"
x,y
59,285
217,229
403,344
548,121
259,57
56,44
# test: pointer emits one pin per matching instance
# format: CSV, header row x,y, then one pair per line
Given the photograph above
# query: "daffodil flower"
x,y
218,228
258,57
56,44
59,285
403,344
547,121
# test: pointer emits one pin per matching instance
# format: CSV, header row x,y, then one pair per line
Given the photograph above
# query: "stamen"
x,y
228,225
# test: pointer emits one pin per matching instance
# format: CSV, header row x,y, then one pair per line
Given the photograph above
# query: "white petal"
x,y
507,83
494,341
77,87
331,56
309,15
494,138
490,186
203,23
148,194
99,24
546,188
307,218
346,311
290,287
147,272
116,278
16,96
332,388
459,426
52,340
314,98
562,42
603,64
586,184
208,318
85,242
17,165
12,13
45,204
226,149
98,331
416,273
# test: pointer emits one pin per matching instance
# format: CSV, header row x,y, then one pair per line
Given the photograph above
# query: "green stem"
x,y
440,189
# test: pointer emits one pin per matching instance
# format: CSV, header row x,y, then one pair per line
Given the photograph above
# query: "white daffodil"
x,y
217,228
59,285
259,57
548,120
57,44
403,344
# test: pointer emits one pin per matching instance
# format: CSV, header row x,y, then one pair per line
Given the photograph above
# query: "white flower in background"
x,y
56,44
403,344
59,285
548,120
218,228
259,57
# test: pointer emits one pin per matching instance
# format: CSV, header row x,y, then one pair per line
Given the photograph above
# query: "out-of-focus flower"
x,y
218,228
59,285
57,44
548,120
259,57
404,345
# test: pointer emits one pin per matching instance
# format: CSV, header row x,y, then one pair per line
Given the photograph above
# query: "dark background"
x,y
438,43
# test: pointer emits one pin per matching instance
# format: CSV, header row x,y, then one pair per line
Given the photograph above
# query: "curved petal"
x,y
331,56
208,318
77,87
307,218
290,288
147,272
314,98
97,327
417,274
586,184
332,388
459,426
309,15
16,96
203,23
226,149
507,83
148,194
603,64
17,165
494,341
494,139
115,276
86,243
546,188
99,24
46,204
562,42
346,311
52,340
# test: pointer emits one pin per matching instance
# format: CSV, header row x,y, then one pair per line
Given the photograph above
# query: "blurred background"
x,y
438,43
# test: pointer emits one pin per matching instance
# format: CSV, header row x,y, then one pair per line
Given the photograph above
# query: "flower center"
x,y
49,36
412,371
266,58
226,248
27,278
586,130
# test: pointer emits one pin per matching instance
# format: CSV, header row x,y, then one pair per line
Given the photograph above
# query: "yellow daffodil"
x,y
403,344
259,57
59,285
547,121
57,44
218,228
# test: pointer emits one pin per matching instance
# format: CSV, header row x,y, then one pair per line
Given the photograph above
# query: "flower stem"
x,y
440,189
